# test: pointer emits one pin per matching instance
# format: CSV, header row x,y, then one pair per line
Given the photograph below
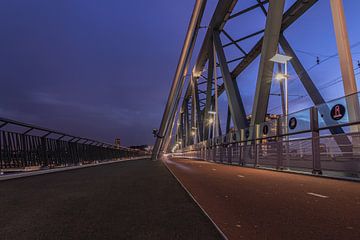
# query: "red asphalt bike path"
x,y
248,203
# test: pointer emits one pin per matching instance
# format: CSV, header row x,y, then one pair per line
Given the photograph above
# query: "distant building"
x,y
117,142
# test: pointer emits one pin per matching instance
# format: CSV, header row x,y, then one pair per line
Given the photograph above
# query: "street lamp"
x,y
193,133
212,120
283,59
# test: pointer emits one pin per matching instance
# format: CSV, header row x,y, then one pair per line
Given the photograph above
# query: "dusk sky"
x,y
103,68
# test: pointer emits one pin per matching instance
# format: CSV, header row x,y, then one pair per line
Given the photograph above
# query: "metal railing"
x,y
48,148
324,138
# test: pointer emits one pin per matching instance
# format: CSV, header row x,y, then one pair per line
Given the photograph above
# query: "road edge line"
x,y
196,202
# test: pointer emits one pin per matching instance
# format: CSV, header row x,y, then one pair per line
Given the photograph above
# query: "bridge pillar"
x,y
346,64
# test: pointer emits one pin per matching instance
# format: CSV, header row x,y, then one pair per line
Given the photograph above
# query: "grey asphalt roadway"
x,y
249,203
136,199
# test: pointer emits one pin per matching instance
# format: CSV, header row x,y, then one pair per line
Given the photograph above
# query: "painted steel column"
x,y
234,99
346,64
182,128
209,87
198,116
228,120
186,119
178,78
266,67
342,40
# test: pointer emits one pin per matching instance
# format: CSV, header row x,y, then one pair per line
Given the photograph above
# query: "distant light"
x,y
212,112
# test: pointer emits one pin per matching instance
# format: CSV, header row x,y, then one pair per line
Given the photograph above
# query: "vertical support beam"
x,y
219,126
209,86
346,64
182,139
228,120
199,122
266,67
234,99
187,125
193,112
342,40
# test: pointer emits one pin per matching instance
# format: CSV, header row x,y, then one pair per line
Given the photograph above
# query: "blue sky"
x,y
103,69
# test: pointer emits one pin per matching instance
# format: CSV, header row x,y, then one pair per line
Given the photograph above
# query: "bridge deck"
x,y
260,204
128,200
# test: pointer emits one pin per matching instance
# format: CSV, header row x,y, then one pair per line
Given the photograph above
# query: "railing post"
x,y
230,152
43,151
240,154
279,145
256,145
315,140
214,151
241,148
1,153
23,150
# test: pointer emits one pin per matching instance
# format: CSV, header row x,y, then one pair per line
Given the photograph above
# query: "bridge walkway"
x,y
137,199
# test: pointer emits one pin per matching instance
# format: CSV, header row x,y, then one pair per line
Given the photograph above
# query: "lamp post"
x,y
193,133
213,122
283,59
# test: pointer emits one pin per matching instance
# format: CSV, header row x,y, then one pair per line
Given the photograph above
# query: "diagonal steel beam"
x,y
233,42
290,16
208,93
234,99
303,75
177,84
220,16
199,122
312,91
228,120
259,4
266,67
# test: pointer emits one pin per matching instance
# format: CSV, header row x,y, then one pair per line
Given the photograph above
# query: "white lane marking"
x,y
241,176
317,195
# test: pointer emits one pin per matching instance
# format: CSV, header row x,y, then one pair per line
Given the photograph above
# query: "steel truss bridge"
x,y
102,191
322,138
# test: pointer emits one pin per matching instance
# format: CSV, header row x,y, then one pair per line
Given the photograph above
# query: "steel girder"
x,y
221,15
196,106
177,85
234,99
266,67
208,93
290,16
